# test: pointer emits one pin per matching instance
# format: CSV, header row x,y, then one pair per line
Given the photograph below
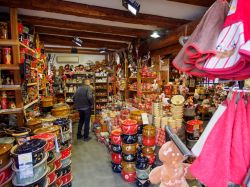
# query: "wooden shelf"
x,y
132,90
148,78
8,42
101,82
70,92
100,76
32,84
30,104
101,101
25,46
11,111
9,67
74,83
10,87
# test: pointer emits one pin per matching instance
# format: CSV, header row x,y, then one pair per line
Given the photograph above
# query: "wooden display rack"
x,y
102,90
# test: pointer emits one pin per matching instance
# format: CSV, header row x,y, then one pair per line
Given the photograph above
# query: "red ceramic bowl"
x,y
116,137
49,137
151,158
59,182
58,161
65,152
66,178
148,141
116,158
52,176
129,177
129,127
6,173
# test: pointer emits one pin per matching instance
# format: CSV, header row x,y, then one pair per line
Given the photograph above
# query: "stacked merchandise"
x,y
116,150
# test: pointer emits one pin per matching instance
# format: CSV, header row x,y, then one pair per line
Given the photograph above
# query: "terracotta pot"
x,y
129,127
4,154
58,161
5,172
34,124
151,158
49,137
116,148
116,137
129,139
148,150
117,168
128,166
129,148
146,141
116,158
149,131
8,182
66,151
56,129
129,177
194,125
129,157
52,176
66,178
142,162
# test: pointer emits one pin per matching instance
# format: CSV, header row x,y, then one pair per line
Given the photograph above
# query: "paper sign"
x,y
144,117
26,164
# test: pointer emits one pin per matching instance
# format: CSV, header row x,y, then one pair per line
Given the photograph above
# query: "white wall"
x,y
83,58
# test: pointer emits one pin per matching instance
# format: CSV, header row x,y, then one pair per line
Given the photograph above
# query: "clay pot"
x,y
49,137
194,125
8,182
151,158
34,124
50,129
142,183
148,150
117,168
5,172
129,177
66,178
128,166
129,127
136,115
66,151
4,154
146,141
143,174
129,139
129,157
116,158
149,131
116,148
116,137
142,162
129,148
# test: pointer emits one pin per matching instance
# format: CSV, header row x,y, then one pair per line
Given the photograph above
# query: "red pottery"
x,y
151,158
66,152
116,137
52,176
148,141
5,173
129,177
194,125
66,178
58,161
49,137
116,158
129,127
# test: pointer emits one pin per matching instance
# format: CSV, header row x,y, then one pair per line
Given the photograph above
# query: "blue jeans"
x,y
84,119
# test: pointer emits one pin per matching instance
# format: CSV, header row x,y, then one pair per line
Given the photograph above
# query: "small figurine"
x,y
8,80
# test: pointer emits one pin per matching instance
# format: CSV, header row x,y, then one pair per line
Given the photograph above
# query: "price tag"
x,y
144,117
26,165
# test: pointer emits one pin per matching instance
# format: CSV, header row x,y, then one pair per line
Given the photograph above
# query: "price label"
x,y
26,165
144,117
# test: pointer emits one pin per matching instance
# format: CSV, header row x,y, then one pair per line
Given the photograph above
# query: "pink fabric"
x,y
247,146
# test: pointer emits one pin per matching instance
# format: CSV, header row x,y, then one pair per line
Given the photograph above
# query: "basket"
x,y
60,110
48,101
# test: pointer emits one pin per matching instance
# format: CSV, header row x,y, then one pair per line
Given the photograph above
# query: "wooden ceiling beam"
x,y
90,11
90,27
68,50
82,34
205,3
170,50
67,41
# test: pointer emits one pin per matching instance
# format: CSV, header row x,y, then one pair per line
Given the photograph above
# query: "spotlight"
x,y
132,6
103,50
155,35
76,40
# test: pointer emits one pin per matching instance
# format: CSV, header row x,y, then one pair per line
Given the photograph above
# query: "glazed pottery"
x,y
66,161
66,151
5,172
128,166
140,129
66,169
129,139
66,135
129,157
151,158
116,148
58,160
129,177
19,133
129,127
69,184
142,174
116,137
142,183
63,122
148,150
41,182
139,137
8,182
117,168
116,158
52,177
49,137
66,178
7,140
56,129
51,154
38,170
4,154
149,131
191,143
34,124
142,162
136,115
34,146
146,141
59,182
129,148
194,125
58,172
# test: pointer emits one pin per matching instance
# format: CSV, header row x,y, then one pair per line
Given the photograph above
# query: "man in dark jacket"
x,y
83,100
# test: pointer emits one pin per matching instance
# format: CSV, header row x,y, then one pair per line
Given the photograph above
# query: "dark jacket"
x,y
83,98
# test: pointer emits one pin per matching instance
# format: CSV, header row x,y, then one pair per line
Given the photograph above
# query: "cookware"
x,y
34,124
148,150
59,182
148,141
51,154
60,110
129,148
38,170
66,151
66,178
149,131
5,173
116,148
41,182
151,158
129,127
142,162
142,174
58,160
4,155
49,137
194,125
129,177
129,157
128,166
7,140
142,183
50,129
129,139
66,161
116,158
52,177
116,137
66,169
8,182
63,122
117,168
34,146
19,133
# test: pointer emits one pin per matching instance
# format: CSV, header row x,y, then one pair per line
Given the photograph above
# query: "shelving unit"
x,y
101,87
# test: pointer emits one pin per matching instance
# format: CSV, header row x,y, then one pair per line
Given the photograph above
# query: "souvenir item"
x,y
63,122
7,140
8,182
142,174
178,100
116,148
136,115
58,160
129,177
149,131
5,172
66,169
50,129
66,178
58,172
52,175
49,137
66,161
47,101
129,157
142,183
151,158
60,110
142,162
148,141
129,127
3,30
128,167
116,158
117,168
6,53
129,148
66,151
34,124
4,154
129,139
116,137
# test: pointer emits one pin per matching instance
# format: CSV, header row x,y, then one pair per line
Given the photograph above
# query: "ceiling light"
x,y
132,6
103,50
76,40
155,35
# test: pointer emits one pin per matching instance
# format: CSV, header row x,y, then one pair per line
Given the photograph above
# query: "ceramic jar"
x,y
117,168
148,150
34,124
58,161
149,131
116,148
194,125
19,133
129,177
136,115
129,157
129,139
129,148
142,162
66,161
116,137
128,166
5,173
66,178
52,176
66,151
63,122
151,158
49,137
4,154
129,127
66,169
143,174
50,129
116,158
148,141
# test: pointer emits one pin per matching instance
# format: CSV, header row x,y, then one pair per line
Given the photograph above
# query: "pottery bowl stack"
x,y
116,150
142,171
157,109
64,123
136,115
19,133
5,165
194,129
129,149
36,148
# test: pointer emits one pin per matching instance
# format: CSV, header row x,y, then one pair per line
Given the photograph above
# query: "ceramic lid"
x,y
51,129
44,136
4,148
116,132
34,121
62,121
30,146
7,140
129,122
178,100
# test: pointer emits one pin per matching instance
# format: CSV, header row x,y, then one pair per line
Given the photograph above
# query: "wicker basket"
x,y
48,101
60,110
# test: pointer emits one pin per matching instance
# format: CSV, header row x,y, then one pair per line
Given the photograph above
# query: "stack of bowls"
x,y
149,141
116,148
136,115
64,123
142,171
39,161
129,149
5,165
157,109
193,131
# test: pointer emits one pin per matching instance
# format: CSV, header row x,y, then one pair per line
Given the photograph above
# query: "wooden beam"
x,y
67,41
68,50
173,37
205,3
82,34
90,27
173,49
90,11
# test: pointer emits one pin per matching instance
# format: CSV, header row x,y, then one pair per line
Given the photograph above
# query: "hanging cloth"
x,y
202,43
214,159
228,63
